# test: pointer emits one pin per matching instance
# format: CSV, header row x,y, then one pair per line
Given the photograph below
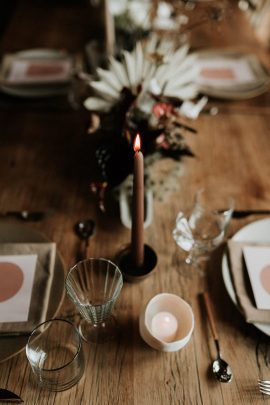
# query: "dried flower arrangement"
x,y
142,93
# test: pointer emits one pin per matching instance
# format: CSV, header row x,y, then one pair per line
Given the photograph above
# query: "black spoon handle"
x,y
24,215
8,396
245,213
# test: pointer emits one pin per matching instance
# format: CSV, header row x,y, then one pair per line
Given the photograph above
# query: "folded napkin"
x,y
241,282
44,256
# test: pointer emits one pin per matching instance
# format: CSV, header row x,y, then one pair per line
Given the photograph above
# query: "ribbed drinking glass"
x,y
94,285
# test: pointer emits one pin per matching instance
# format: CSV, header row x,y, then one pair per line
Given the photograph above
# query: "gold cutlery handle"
x,y
210,315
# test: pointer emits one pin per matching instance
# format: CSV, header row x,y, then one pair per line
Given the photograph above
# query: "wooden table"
x,y
45,159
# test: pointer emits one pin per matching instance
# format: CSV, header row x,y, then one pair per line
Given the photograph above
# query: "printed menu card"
x,y
257,259
17,277
26,275
38,71
225,72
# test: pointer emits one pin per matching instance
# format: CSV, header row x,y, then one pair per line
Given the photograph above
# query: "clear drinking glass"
x,y
94,285
203,230
55,353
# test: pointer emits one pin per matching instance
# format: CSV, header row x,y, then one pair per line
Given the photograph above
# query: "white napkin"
x,y
242,284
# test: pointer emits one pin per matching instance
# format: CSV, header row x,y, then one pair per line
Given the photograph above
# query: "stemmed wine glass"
x,y
203,230
94,285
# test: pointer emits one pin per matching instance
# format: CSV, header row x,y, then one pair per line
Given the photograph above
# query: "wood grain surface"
x,y
45,164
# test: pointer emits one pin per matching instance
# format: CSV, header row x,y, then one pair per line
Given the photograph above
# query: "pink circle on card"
x,y
11,276
265,278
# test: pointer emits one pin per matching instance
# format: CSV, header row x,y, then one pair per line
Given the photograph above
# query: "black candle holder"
x,y
130,271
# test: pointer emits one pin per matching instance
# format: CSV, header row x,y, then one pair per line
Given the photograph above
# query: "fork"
x,y
264,386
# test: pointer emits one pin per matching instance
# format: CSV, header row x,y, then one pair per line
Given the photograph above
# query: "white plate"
x,y
37,91
258,231
10,346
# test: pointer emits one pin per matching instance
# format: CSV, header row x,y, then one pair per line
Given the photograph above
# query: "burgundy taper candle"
x,y
109,29
137,242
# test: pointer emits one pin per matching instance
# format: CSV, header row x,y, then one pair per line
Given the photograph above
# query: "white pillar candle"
x,y
164,326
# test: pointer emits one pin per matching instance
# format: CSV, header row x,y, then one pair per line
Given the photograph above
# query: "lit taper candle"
x,y
137,242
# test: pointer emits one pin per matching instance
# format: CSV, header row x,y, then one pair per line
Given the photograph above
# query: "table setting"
x,y
251,235
28,244
134,229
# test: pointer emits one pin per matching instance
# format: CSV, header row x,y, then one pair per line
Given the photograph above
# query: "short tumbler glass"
x,y
55,353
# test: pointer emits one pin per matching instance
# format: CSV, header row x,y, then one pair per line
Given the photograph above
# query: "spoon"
x,y
220,368
84,230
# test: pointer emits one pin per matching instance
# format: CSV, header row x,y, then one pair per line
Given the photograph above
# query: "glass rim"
x,y
94,259
48,321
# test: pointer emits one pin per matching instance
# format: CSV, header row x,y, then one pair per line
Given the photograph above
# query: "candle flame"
x,y
137,143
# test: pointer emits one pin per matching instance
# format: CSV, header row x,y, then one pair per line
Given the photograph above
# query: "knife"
x,y
238,214
8,396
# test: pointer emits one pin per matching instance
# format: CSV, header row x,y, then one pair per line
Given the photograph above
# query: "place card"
x,y
257,259
38,71
17,274
39,290
225,72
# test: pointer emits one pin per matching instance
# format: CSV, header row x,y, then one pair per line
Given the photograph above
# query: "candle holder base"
x,y
130,272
